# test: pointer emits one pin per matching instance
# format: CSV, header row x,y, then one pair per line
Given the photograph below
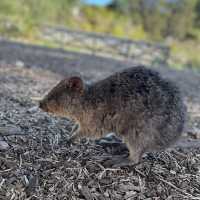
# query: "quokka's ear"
x,y
76,83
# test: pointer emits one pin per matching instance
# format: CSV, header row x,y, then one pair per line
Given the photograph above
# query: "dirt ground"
x,y
41,162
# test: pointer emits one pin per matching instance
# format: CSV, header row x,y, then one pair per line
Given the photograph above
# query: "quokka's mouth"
x,y
43,106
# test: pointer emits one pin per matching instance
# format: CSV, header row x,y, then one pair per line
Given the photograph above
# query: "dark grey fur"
x,y
145,110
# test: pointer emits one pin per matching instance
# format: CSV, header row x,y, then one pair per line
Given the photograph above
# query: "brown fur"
x,y
144,109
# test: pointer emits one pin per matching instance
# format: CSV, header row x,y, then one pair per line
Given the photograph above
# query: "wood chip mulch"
x,y
41,162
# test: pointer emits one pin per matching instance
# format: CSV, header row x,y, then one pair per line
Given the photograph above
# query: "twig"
x,y
36,99
2,182
178,189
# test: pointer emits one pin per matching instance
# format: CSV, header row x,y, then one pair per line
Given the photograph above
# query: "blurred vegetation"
x,y
173,22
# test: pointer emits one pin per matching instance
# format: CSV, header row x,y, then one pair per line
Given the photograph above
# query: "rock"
x,y
112,144
33,109
109,139
19,63
10,130
3,146
86,192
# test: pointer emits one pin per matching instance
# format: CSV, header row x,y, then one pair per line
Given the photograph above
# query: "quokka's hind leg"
x,y
136,146
146,140
135,154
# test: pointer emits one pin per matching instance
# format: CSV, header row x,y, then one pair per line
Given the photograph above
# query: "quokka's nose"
x,y
42,105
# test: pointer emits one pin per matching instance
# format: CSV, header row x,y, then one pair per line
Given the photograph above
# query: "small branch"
x,y
178,189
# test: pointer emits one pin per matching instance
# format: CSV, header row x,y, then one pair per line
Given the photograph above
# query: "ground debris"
x,y
194,133
10,130
44,163
3,145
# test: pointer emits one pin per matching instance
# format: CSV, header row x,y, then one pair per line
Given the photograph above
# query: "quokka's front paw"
x,y
108,139
112,144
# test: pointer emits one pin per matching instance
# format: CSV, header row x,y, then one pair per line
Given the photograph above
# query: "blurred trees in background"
x,y
197,11
156,18
174,22
22,17
162,18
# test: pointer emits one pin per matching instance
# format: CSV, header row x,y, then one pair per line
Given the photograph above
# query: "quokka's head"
x,y
64,97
